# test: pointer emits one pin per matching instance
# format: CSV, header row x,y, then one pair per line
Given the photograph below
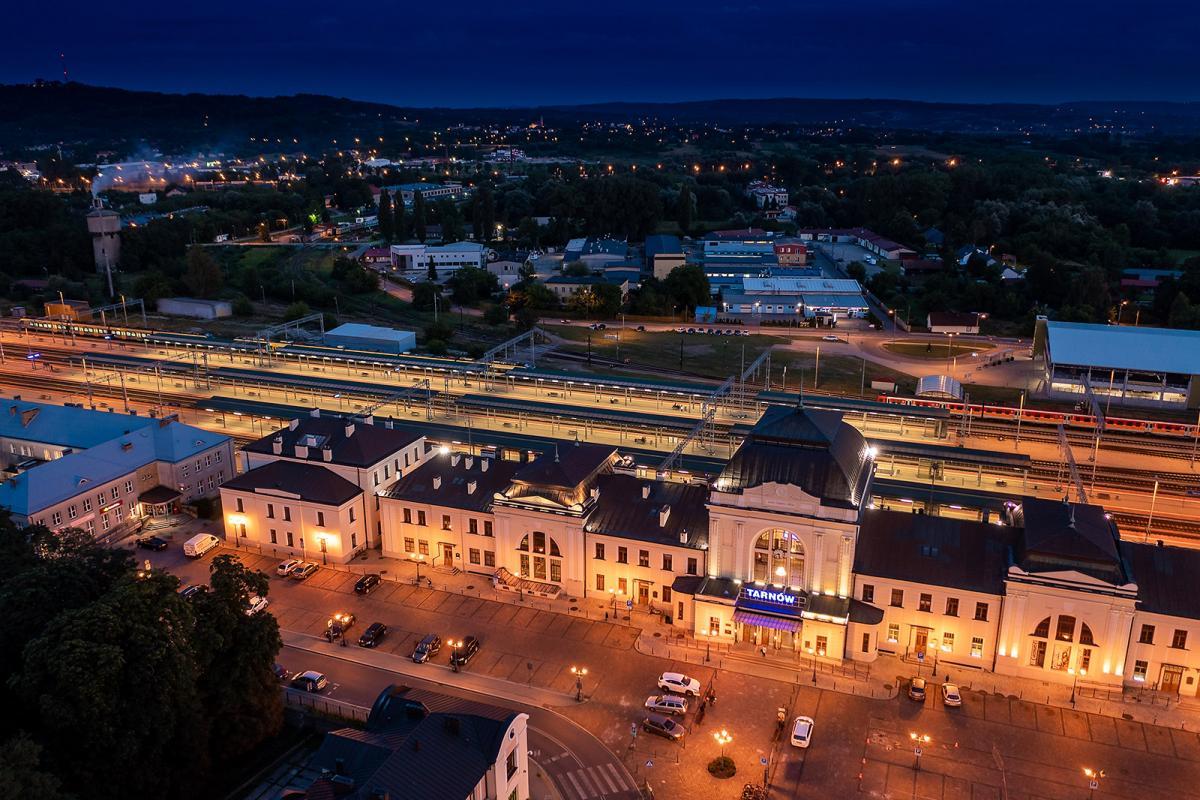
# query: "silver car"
x,y
666,704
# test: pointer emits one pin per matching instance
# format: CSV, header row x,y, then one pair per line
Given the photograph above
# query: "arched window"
x,y
1066,629
1043,629
538,566
1085,635
779,558
524,545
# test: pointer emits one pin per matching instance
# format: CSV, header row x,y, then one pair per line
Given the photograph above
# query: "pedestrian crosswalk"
x,y
603,780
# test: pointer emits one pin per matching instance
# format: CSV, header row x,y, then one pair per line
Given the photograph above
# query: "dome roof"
x,y
809,448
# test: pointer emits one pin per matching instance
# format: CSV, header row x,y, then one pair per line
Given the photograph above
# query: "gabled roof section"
x,y
353,441
307,481
809,448
1063,536
567,466
650,511
1167,578
445,480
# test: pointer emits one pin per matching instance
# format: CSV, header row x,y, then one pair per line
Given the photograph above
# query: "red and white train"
x,y
1069,419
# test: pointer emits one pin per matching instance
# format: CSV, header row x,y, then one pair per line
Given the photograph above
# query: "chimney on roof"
x,y
293,425
369,419
683,536
277,445
471,486
483,464
349,429
327,453
437,482
470,462
663,514
301,451
595,492
387,423
454,459
645,491
315,413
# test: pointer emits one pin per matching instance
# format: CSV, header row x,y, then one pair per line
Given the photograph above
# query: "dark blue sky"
x,y
569,51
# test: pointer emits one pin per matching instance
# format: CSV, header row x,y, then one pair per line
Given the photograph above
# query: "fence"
x,y
324,706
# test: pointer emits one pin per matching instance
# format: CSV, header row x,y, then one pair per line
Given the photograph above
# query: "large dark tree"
x,y
419,216
386,223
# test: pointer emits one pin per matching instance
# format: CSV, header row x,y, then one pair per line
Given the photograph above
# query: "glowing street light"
x,y
579,672
723,738
454,645
1093,777
918,739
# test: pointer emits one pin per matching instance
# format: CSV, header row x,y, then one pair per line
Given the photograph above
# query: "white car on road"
x,y
256,605
802,730
679,683
951,696
667,704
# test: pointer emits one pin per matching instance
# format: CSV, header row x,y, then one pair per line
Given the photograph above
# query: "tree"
x,y
485,213
451,219
386,224
857,271
419,216
684,208
577,269
399,219
496,314
469,285
296,311
423,295
235,656
1182,314
431,271
21,773
203,274
687,286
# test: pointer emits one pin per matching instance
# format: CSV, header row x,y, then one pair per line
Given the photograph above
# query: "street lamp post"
x,y
417,558
454,645
918,739
1077,673
1093,777
723,738
579,672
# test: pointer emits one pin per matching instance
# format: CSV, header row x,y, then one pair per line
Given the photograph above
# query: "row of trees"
x,y
114,685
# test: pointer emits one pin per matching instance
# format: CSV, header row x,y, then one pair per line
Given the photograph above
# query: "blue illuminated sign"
x,y
770,596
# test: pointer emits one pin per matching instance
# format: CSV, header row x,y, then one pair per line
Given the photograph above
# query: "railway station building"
x,y
105,473
783,551
1150,367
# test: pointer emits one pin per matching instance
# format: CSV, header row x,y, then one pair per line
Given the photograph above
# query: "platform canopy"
x,y
1123,347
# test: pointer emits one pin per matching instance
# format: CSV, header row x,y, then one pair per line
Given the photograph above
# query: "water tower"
x,y
105,226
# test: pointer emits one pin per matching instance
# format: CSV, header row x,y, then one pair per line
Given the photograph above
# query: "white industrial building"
x,y
357,336
1134,366
415,259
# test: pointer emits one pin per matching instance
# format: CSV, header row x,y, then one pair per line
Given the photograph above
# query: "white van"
x,y
200,544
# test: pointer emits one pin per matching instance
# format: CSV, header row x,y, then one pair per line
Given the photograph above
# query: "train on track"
x,y
1069,419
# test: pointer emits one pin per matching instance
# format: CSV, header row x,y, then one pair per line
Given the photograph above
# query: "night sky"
x,y
528,52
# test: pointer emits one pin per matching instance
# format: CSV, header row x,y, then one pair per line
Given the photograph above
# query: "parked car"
x,y
916,689
310,681
465,652
951,696
367,583
281,673
200,544
641,328
256,605
303,571
193,590
829,337
667,704
427,648
679,683
288,567
663,726
802,730
372,635
340,622
152,543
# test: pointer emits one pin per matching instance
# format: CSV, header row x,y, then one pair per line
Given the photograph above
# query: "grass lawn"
x,y
934,351
839,374
706,356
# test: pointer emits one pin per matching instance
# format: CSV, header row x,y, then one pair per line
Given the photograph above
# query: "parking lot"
x,y
991,747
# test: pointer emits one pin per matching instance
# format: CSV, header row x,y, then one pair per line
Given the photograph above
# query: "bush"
x,y
242,307
296,311
436,347
722,767
439,330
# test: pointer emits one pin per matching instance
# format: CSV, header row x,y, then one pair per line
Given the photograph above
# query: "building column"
x,y
714,548
844,567
1011,627
818,564
1114,655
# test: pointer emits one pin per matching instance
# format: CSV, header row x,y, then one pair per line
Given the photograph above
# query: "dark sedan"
x,y
152,543
372,635
366,584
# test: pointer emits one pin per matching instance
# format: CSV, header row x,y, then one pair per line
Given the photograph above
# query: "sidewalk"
x,y
432,672
888,675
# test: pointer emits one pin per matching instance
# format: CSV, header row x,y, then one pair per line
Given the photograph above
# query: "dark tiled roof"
x,y
1167,578
310,482
365,446
417,745
418,485
865,613
939,551
1062,536
621,510
804,447
699,585
567,466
